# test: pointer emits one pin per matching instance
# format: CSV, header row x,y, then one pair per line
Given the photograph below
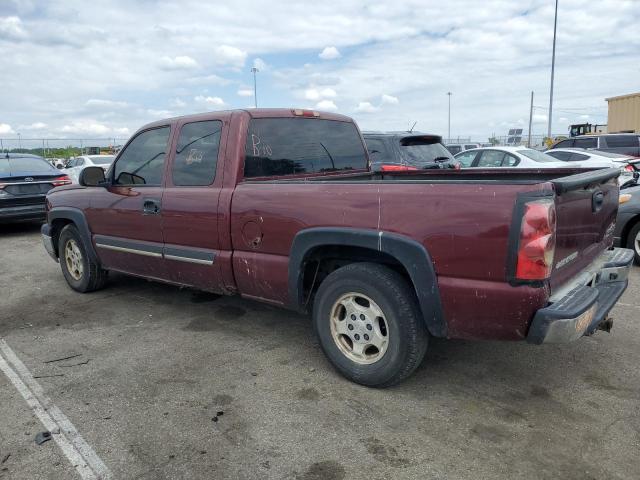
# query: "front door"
x,y
125,217
190,214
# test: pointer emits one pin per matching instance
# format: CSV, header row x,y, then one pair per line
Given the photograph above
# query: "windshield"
x,y
102,159
536,156
29,165
420,154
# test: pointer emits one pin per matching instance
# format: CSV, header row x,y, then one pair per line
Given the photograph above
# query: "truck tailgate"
x,y
586,208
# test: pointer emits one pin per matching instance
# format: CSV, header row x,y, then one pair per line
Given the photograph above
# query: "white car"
x,y
77,164
506,157
577,157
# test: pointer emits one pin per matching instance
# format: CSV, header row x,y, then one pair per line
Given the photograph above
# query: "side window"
x,y
142,161
578,157
564,156
289,146
590,142
466,158
509,160
491,158
564,144
79,162
197,153
377,150
614,141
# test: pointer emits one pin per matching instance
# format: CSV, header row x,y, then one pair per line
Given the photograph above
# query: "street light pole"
x,y
553,65
530,120
449,128
255,86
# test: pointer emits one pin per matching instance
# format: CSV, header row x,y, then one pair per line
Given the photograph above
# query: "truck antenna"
x,y
412,126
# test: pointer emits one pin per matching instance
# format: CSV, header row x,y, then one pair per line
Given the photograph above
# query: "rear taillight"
x,y
397,168
537,242
629,168
61,180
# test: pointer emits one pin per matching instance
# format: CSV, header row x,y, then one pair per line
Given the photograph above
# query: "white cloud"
x,y
329,53
245,92
259,64
328,93
539,118
210,101
227,55
389,99
311,94
5,129
182,62
159,113
327,105
177,103
87,127
11,28
366,107
33,127
97,103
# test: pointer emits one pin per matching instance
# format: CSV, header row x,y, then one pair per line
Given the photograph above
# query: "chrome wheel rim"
x,y
636,244
73,259
359,328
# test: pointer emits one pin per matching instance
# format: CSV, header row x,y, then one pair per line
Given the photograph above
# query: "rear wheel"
x,y
633,241
80,272
368,323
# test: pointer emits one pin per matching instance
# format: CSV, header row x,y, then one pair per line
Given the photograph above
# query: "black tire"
x,y
92,277
631,242
407,334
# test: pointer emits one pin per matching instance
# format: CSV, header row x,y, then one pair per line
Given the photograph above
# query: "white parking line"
x,y
77,450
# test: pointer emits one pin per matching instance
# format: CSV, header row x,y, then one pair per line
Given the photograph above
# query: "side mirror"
x,y
60,166
92,177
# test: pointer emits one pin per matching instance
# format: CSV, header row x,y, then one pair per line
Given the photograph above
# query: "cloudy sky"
x,y
78,69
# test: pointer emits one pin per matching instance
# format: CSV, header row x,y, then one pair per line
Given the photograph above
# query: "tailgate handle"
x,y
597,200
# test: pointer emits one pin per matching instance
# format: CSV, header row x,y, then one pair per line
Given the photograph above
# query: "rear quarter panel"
x,y
464,227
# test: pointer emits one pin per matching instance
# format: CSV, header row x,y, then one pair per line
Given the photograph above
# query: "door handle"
x,y
150,207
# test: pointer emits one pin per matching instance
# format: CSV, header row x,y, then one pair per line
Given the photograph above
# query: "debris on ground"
x,y
63,358
5,458
49,376
43,437
75,364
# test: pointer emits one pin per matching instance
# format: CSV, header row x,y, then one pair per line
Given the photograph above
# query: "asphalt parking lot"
x,y
166,383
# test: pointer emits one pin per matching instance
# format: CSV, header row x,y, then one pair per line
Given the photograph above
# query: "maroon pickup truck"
x,y
280,206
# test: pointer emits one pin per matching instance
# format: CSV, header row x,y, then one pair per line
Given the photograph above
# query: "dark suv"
x,y
623,143
406,151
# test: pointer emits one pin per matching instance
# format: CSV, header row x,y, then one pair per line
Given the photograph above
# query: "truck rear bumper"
x,y
583,309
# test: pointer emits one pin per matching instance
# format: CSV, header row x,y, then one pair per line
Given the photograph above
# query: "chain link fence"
x,y
62,147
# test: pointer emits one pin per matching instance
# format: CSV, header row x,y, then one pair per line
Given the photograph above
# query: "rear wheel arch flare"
x,y
408,253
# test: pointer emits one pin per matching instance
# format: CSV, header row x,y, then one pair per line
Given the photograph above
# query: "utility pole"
x,y
530,120
19,141
553,65
449,128
255,86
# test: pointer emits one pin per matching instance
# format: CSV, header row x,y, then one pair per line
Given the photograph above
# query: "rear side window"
x,y
586,142
289,146
491,158
564,156
142,161
377,150
614,141
197,153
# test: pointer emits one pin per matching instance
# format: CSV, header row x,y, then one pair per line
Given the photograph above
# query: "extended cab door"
x,y
190,212
125,217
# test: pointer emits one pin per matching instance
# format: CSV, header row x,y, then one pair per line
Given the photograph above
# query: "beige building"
x,y
624,113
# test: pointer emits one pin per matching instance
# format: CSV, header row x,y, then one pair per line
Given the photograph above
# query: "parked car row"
x,y
622,143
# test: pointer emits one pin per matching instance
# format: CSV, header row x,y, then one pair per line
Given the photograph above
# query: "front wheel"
x,y
81,273
368,323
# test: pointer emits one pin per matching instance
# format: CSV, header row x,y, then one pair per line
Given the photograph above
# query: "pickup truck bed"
x,y
382,260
